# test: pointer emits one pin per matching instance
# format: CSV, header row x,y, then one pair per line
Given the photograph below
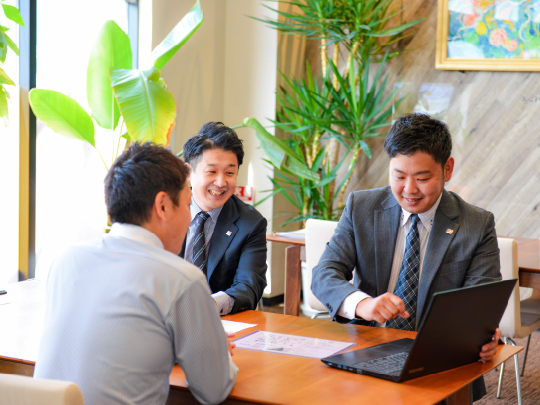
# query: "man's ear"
x,y
189,171
448,169
160,205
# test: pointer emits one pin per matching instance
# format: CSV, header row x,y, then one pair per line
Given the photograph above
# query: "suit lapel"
x,y
183,251
386,221
439,241
224,233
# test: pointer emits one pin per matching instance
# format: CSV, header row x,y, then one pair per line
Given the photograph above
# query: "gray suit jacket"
x,y
365,239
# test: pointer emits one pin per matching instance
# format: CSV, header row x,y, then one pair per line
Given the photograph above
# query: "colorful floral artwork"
x,y
507,29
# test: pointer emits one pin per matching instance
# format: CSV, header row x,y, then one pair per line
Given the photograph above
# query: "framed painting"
x,y
497,35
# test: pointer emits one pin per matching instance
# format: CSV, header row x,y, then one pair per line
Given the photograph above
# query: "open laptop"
x,y
458,323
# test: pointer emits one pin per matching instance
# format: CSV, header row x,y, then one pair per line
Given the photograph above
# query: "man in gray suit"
x,y
409,240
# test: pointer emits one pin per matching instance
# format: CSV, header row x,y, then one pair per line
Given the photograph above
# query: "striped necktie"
x,y
407,284
199,243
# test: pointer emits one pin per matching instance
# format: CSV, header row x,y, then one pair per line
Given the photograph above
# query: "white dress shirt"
x,y
223,300
121,311
349,304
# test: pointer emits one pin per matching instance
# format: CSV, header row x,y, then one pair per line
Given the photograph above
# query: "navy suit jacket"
x,y
237,262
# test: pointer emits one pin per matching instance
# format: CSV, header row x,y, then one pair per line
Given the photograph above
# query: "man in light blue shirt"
x,y
120,310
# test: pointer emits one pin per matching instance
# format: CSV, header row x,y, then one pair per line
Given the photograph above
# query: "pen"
x,y
3,292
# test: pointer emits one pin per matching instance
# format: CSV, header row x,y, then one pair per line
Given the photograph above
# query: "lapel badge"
x,y
449,231
229,233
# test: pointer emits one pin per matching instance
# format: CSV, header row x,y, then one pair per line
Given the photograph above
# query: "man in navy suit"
x,y
226,238
455,243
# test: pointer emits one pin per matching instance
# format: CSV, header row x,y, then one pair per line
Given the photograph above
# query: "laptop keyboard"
x,y
389,365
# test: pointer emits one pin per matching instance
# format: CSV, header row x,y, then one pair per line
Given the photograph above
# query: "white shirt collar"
x,y
137,233
426,218
194,209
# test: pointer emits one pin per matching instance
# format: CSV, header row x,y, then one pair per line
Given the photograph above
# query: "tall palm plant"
x,y
341,108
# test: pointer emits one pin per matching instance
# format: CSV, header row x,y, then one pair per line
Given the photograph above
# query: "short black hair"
x,y
137,176
212,135
419,132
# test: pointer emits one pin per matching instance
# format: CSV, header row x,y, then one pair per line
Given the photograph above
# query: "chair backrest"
x,y
318,234
21,390
511,319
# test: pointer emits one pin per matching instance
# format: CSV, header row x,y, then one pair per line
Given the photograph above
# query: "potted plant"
x,y
341,107
134,104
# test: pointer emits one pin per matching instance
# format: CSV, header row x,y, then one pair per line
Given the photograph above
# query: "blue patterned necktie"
x,y
407,284
199,243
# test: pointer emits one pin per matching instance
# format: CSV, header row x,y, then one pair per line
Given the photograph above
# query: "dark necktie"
x,y
199,243
407,284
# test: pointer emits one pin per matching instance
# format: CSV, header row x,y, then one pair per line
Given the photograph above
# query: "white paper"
x,y
299,234
291,344
231,326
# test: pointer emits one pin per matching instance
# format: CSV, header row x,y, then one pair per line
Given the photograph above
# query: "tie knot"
x,y
414,219
203,215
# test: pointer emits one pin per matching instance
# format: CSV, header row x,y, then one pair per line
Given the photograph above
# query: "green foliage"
x,y
148,108
178,36
6,43
62,114
111,49
114,90
336,109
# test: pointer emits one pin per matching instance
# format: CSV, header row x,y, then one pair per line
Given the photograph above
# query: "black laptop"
x,y
458,323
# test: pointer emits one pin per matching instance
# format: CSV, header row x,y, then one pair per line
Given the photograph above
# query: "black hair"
x,y
212,135
419,132
136,177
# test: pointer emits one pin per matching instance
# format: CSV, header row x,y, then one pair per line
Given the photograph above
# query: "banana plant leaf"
x,y
9,41
178,36
3,47
281,155
13,14
147,108
4,78
62,114
111,49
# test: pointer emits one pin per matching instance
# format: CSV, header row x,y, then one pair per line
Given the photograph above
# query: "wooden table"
x,y
268,378
528,259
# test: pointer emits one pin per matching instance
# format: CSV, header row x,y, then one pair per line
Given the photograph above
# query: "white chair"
x,y
21,390
318,234
519,320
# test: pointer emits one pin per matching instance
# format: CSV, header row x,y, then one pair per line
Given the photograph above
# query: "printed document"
x,y
291,344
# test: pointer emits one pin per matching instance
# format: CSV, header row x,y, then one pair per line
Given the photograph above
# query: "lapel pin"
x,y
449,231
229,233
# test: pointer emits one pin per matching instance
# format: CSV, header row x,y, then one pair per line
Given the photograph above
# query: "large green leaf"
x,y
111,49
4,112
147,108
13,14
178,36
62,114
4,78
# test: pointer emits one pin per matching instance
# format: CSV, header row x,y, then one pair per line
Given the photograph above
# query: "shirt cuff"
x,y
224,302
347,308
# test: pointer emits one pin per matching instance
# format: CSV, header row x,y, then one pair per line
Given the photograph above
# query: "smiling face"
x,y
213,179
418,180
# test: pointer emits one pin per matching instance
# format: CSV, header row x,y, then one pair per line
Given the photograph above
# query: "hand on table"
x,y
381,308
489,349
230,344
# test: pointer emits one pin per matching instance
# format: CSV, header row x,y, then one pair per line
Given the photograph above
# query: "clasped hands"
x,y
388,306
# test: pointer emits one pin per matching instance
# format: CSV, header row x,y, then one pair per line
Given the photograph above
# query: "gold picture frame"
x,y
478,25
